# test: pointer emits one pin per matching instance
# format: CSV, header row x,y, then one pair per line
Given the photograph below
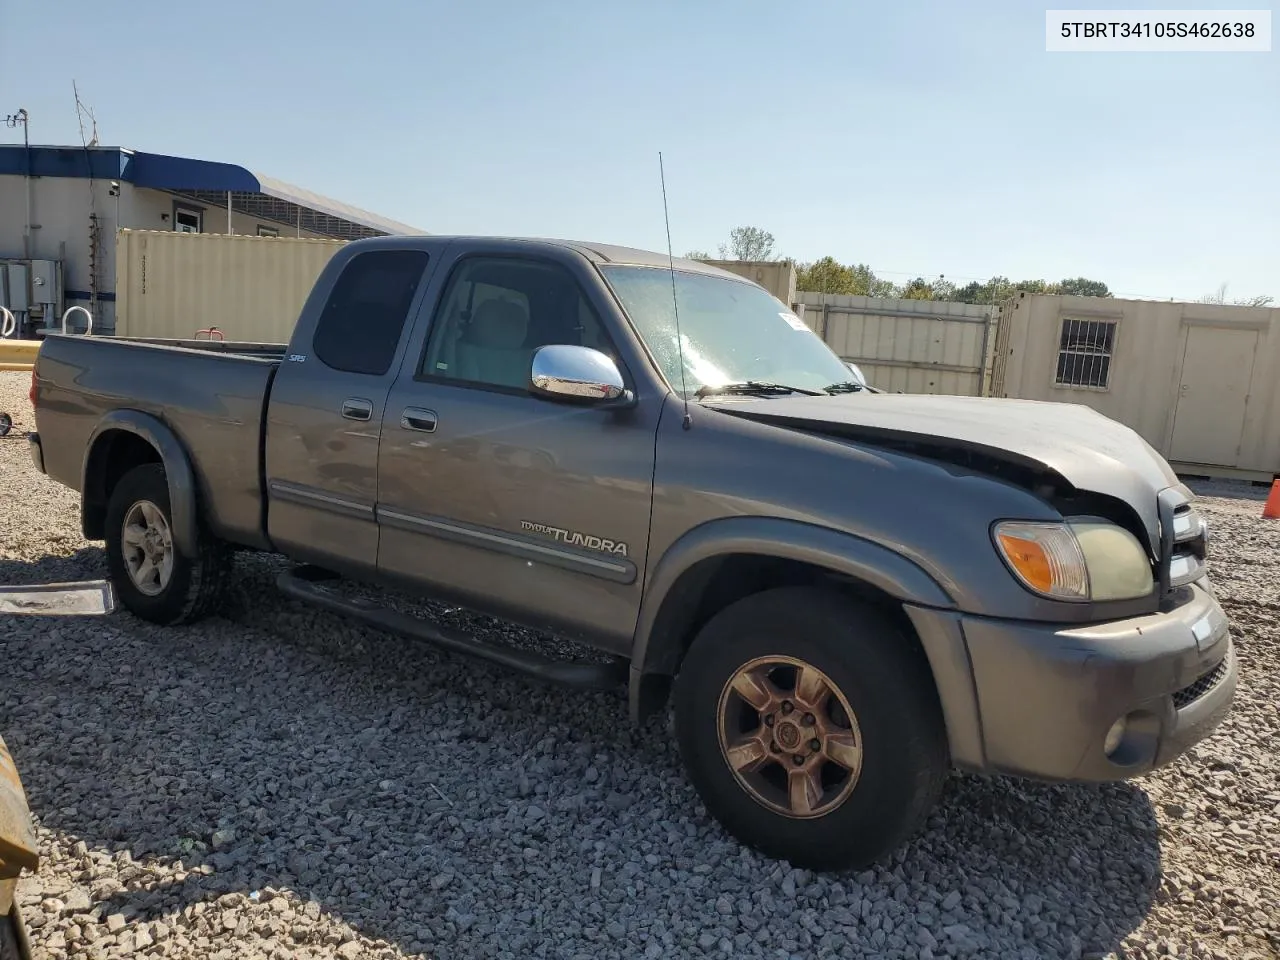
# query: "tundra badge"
x,y
574,539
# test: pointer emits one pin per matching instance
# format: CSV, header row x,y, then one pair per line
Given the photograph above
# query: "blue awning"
x,y
207,181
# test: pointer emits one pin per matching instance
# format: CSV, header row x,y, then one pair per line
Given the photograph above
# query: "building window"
x,y
1084,353
187,220
267,231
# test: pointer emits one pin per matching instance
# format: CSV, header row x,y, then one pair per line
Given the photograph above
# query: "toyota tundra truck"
x,y
840,595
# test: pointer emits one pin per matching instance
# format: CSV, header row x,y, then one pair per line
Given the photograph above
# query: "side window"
x,y
360,325
497,311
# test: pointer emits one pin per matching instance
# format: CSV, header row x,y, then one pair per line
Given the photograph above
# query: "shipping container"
x,y
1199,382
907,346
172,285
776,276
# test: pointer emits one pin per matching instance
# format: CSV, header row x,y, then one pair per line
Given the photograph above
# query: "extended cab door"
x,y
523,507
326,407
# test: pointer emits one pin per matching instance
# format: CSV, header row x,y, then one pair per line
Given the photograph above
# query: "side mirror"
x,y
564,371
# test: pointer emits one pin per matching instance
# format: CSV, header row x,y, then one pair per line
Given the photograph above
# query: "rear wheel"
x,y
153,579
809,725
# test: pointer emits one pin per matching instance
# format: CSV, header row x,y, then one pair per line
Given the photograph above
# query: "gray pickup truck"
x,y
841,594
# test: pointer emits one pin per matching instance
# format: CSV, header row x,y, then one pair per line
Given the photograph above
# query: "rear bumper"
x,y
1044,698
36,451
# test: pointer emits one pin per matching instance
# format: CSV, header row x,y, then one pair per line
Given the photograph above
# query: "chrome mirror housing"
x,y
565,371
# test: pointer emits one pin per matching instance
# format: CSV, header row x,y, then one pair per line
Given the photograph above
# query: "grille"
x,y
1202,686
1183,543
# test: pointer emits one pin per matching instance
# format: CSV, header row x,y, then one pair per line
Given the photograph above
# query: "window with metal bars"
x,y
1084,353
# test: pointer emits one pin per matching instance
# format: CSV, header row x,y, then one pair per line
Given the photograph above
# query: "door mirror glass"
x,y
568,372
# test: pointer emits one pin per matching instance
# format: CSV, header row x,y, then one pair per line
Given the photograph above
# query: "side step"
x,y
305,583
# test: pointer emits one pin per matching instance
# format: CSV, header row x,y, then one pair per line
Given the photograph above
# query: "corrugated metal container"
x,y
1199,382
911,346
171,284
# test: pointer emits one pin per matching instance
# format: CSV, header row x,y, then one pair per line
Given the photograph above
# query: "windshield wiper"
x,y
844,386
759,388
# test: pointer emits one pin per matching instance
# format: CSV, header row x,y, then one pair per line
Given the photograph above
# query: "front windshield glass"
x,y
731,331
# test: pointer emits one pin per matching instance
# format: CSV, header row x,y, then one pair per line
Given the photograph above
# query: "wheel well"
x,y
115,453
713,584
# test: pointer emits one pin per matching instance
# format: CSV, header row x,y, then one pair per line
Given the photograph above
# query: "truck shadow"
x,y
394,785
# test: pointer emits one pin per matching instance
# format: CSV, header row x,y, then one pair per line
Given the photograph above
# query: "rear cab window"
x,y
361,323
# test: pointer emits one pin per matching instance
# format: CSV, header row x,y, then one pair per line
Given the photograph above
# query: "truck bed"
x,y
211,394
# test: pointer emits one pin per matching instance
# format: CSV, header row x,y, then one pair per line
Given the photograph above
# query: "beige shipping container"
x,y
907,346
776,276
171,284
1199,382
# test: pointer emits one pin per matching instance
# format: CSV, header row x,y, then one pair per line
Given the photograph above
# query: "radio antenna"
x,y
675,301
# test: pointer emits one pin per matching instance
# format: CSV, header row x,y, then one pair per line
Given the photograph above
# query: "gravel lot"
x,y
279,783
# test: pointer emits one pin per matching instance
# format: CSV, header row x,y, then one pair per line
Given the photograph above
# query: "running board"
x,y
305,583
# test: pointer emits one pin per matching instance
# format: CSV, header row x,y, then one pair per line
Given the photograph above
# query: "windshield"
x,y
731,331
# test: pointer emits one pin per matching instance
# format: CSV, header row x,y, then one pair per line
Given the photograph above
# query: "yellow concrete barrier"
x,y
19,351
16,366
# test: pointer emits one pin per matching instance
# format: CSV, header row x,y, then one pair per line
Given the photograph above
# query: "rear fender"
x,y
177,470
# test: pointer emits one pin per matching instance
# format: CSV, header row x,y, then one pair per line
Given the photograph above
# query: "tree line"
x,y
828,275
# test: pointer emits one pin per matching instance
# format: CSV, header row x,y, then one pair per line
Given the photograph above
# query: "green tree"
x,y
698,255
748,243
878,286
1083,287
917,289
828,275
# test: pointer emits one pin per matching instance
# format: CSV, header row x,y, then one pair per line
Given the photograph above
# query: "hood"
x,y
1066,444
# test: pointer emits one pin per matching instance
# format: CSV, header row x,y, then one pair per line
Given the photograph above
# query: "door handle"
x,y
356,409
416,418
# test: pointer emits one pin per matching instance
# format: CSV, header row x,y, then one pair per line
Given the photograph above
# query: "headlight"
x,y
1080,560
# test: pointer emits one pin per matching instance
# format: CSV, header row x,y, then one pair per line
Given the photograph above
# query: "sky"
x,y
918,138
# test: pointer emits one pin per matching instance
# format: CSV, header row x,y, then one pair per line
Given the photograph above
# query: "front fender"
x,y
654,648
177,469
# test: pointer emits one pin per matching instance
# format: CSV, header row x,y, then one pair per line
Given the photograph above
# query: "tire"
x,y
193,588
862,807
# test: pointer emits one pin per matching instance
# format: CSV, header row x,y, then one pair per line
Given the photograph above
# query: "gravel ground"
x,y
279,783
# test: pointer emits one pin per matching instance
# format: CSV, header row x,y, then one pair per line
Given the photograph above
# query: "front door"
x,y
1217,364
512,504
325,413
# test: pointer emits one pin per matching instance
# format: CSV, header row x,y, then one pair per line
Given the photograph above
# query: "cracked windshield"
x,y
728,331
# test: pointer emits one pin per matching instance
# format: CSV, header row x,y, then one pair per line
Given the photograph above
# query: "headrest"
x,y
499,324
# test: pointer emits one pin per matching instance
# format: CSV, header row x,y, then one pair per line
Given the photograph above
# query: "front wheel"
x,y
153,579
810,727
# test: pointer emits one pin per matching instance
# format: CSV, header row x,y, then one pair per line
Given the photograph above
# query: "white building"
x,y
1200,382
60,208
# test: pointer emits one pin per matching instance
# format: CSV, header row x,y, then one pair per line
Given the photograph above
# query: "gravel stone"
x,y
385,800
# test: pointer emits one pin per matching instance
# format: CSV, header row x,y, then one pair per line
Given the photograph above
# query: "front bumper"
x,y
1046,697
